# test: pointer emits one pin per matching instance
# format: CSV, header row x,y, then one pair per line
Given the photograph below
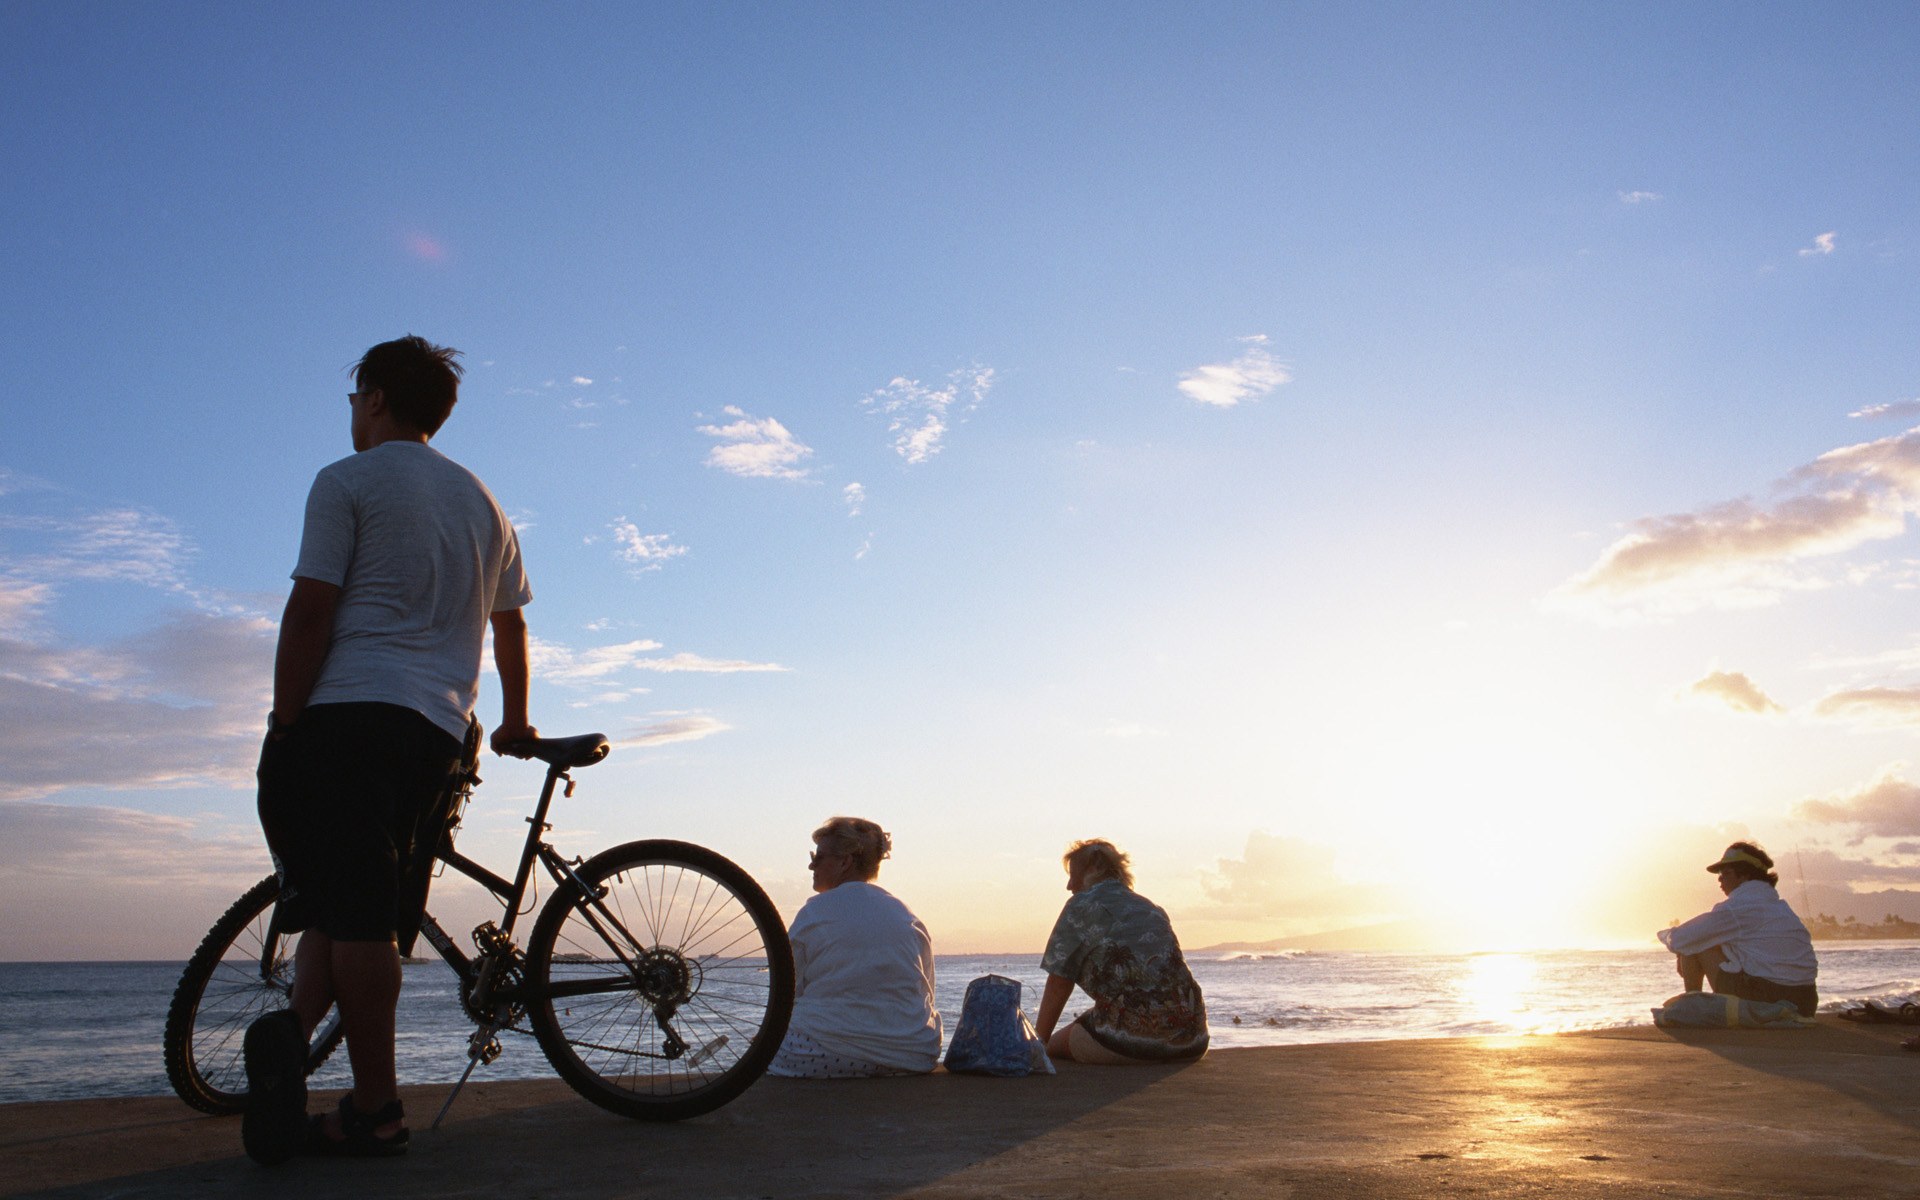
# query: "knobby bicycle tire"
x,y
224,987
674,920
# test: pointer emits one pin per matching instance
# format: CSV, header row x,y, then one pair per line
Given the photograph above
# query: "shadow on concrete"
x,y
784,1138
1861,1062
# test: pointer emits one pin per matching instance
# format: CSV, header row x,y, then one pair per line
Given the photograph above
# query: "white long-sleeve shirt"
x,y
863,964
1756,930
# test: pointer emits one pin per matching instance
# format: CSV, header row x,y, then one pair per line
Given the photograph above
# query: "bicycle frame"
x,y
511,894
603,922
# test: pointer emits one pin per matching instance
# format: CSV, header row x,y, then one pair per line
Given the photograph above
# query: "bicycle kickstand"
x,y
482,1047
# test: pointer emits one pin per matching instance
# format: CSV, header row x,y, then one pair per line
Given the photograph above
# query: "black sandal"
x,y
358,1139
275,1053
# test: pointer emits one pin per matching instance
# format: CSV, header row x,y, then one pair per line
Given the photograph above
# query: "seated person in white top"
x,y
863,969
1751,944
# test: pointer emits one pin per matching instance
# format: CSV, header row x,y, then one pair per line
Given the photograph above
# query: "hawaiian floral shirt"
x,y
1120,948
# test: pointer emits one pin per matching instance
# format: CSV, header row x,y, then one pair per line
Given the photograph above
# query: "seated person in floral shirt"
x,y
1119,947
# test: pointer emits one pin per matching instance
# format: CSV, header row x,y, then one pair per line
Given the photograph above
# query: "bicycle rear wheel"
x,y
243,969
664,991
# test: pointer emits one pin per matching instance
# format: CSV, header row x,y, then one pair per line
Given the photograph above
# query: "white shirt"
x,y
422,555
1756,930
864,966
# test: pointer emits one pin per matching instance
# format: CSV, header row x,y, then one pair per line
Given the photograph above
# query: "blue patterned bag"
x,y
993,1037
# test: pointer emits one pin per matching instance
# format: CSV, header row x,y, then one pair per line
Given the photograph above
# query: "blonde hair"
x,y
1098,859
859,839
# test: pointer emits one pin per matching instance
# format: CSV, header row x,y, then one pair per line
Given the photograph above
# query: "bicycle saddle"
x,y
582,751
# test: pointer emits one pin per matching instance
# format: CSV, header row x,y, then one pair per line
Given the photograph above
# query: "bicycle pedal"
x,y
706,1052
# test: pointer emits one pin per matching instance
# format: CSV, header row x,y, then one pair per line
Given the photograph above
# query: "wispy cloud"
x,y
1872,705
141,885
1736,691
1821,245
111,545
1741,554
1223,385
1732,555
700,664
1287,882
582,381
855,497
97,842
178,705
666,728
557,663
1886,806
918,416
1899,658
756,447
1892,410
21,604
1640,197
643,551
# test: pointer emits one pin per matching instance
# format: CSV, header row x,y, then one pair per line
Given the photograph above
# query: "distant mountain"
x,y
1842,903
1412,934
1810,901
1824,928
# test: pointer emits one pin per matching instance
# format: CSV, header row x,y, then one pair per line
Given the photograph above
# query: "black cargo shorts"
x,y
354,800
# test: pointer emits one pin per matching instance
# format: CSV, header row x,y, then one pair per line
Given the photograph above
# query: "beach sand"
x,y
1832,1111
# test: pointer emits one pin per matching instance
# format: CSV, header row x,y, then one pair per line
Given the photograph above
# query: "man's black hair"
x,y
420,380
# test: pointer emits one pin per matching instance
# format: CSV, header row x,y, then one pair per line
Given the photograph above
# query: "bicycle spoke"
x,y
705,962
223,989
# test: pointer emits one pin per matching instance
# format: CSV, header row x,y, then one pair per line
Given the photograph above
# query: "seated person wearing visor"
x,y
1751,944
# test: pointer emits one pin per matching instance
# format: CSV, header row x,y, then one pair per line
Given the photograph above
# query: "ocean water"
x,y
72,1030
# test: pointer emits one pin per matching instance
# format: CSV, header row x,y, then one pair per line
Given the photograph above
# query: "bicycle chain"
x,y
618,1050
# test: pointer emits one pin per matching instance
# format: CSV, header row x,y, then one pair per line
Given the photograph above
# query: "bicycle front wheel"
x,y
663,990
242,970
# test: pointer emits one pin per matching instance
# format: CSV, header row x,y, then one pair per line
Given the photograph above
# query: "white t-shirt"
x,y
422,556
864,966
1757,931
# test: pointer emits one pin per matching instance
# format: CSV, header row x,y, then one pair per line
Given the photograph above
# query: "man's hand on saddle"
x,y
510,740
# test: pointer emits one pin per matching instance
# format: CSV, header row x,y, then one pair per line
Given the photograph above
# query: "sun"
x,y
1499,832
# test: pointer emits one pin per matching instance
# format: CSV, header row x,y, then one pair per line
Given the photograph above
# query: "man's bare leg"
x,y
312,979
1693,968
366,985
1058,1045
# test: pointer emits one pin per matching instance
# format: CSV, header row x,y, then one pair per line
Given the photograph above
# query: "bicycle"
x,y
658,979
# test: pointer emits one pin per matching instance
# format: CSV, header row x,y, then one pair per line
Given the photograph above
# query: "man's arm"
x,y
1717,926
306,634
1053,1000
510,656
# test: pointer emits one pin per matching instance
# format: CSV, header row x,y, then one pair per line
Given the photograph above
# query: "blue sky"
x,y
1349,455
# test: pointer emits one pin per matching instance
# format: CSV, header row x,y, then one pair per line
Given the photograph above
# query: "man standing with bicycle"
x,y
405,560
